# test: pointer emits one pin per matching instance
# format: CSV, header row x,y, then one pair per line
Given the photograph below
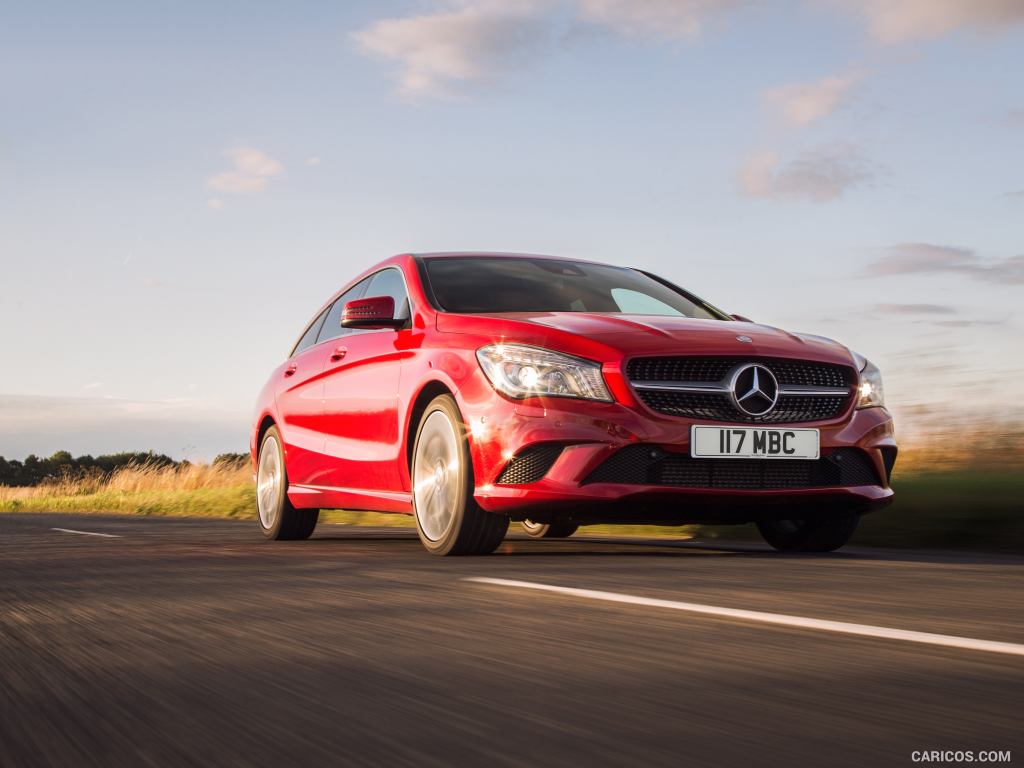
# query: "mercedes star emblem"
x,y
754,389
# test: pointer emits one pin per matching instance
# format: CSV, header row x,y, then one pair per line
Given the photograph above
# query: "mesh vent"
x,y
649,465
699,405
716,369
714,407
855,468
680,368
530,464
719,407
799,408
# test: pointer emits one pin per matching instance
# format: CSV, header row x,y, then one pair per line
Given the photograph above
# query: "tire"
x,y
812,535
448,519
278,519
548,530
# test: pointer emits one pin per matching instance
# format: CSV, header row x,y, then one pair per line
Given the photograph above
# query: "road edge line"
x,y
87,533
780,619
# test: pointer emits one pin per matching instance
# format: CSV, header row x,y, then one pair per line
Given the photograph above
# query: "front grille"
x,y
715,406
530,464
716,369
649,465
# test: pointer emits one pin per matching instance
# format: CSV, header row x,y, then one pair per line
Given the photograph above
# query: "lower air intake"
x,y
649,465
530,464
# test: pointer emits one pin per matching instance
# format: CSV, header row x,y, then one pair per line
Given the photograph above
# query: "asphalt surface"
x,y
195,642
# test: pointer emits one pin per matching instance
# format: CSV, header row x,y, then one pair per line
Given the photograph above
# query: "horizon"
x,y
184,186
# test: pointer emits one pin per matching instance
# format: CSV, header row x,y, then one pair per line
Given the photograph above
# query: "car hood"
x,y
631,335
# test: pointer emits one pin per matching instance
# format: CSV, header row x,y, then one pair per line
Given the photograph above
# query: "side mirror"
x,y
741,318
374,312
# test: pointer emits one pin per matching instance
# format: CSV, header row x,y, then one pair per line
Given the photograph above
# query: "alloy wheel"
x,y
268,482
436,476
532,528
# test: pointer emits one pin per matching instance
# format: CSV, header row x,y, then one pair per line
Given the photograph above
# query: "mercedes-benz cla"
x,y
471,389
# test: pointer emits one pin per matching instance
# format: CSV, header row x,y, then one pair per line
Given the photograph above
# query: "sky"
x,y
183,184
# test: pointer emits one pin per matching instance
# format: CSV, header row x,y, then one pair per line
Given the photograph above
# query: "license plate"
x,y
753,443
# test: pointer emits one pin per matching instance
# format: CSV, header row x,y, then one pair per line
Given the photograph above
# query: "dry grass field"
x,y
960,488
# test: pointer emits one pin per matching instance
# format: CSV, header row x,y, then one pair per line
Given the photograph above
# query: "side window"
x,y
309,337
332,325
389,282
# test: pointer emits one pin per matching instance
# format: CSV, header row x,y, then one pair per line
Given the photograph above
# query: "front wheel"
x,y
548,530
825,534
278,518
448,518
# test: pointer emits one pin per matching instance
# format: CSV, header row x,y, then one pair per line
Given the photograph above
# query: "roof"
x,y
493,255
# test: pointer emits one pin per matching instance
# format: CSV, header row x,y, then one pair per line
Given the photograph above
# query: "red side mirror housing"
x,y
373,312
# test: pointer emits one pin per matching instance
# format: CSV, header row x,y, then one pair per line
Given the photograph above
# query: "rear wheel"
x,y
548,530
809,535
448,518
278,518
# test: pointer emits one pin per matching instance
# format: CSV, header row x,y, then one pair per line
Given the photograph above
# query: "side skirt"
x,y
363,499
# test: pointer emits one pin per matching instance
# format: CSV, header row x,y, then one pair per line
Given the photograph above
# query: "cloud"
x,y
1009,270
253,162
897,21
818,175
915,309
252,172
923,258
1014,193
663,19
237,183
801,104
215,203
929,259
312,161
966,323
435,53
757,176
473,42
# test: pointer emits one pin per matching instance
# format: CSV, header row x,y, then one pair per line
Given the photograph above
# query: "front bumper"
x,y
591,433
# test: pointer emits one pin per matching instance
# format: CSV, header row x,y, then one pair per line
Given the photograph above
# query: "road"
x,y
196,643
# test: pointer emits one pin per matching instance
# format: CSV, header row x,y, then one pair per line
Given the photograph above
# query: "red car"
x,y
471,389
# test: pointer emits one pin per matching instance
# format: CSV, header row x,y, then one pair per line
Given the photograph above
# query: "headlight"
x,y
870,392
519,371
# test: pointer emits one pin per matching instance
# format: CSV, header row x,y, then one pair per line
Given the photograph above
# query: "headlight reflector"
x,y
520,371
870,392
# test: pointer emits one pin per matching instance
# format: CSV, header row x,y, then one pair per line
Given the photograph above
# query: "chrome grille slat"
x,y
695,386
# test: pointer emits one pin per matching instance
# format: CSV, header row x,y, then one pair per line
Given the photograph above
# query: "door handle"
x,y
338,354
291,369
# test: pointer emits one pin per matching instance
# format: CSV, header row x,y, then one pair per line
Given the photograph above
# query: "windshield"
x,y
478,284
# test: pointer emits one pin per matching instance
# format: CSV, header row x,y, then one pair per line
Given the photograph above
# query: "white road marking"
x,y
822,625
87,533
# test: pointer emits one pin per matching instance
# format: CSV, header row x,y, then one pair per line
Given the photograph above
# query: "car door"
x,y
299,398
360,416
300,395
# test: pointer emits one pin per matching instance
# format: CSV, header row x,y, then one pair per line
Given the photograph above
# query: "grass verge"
x,y
951,510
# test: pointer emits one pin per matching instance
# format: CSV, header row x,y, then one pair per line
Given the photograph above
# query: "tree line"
x,y
35,469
